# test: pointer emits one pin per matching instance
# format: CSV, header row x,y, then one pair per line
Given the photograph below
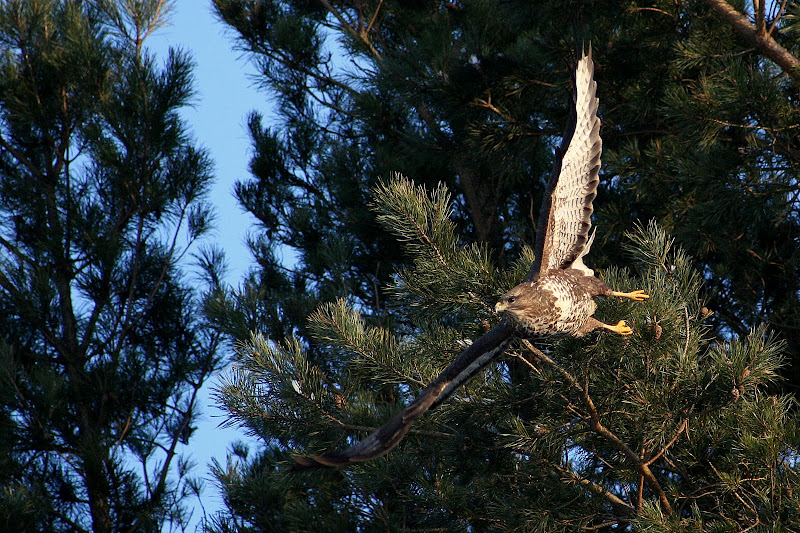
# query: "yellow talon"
x,y
622,328
636,296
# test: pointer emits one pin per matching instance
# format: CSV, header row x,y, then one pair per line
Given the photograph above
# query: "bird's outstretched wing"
x,y
565,218
386,437
562,238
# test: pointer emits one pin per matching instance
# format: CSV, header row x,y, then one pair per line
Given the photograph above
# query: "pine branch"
x,y
684,425
600,429
375,347
19,156
406,210
620,505
359,34
762,39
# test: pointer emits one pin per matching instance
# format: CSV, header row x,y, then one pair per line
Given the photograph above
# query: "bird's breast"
x,y
564,307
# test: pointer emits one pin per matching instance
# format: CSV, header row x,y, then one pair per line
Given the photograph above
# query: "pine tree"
x,y
699,132
698,128
343,123
668,430
713,157
102,348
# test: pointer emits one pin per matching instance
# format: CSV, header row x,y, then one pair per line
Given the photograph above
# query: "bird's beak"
x,y
500,307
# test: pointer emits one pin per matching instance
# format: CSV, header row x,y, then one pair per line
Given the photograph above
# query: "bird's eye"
x,y
510,299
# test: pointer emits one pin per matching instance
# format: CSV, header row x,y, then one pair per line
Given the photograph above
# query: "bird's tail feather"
x,y
475,366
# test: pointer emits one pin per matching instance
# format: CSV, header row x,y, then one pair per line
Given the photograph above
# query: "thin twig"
x,y
688,330
598,489
654,10
361,34
487,103
777,18
681,428
378,10
753,126
600,429
758,11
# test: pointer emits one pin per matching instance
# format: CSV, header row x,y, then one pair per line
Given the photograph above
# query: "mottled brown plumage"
x,y
561,301
557,295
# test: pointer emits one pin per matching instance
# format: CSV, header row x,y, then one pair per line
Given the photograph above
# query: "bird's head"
x,y
513,301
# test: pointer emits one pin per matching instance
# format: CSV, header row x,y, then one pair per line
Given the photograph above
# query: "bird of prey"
x,y
557,295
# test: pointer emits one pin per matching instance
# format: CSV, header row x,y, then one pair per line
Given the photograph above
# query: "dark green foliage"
x,y
101,194
699,132
417,103
564,447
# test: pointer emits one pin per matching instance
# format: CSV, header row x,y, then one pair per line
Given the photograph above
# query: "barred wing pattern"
x,y
562,235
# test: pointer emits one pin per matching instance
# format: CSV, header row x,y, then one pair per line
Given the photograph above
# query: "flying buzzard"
x,y
557,295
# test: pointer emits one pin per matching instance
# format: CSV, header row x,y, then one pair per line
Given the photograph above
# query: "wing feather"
x,y
565,217
479,354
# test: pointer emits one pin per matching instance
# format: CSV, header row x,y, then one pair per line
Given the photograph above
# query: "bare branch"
x,y
681,429
777,18
378,10
612,498
758,10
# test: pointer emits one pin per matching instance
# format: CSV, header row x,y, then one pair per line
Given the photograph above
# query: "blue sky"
x,y
225,95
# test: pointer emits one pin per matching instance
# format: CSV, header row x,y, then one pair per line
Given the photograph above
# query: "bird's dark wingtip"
x,y
302,462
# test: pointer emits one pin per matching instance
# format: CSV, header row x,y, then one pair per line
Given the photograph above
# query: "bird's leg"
x,y
621,327
636,296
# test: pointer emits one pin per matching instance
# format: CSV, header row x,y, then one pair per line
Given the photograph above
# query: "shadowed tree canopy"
x,y
699,114
698,128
